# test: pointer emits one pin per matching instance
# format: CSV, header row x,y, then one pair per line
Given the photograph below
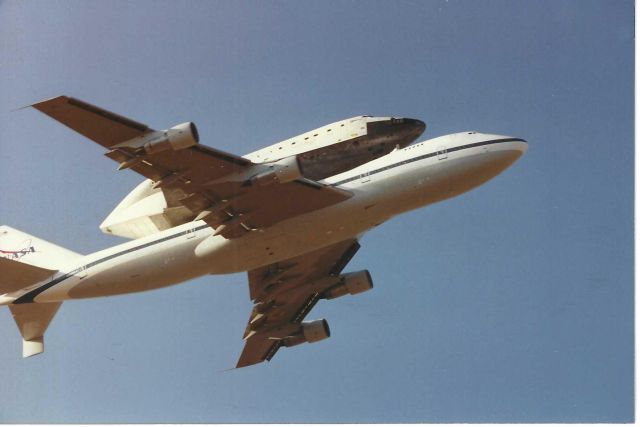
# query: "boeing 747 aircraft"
x,y
290,215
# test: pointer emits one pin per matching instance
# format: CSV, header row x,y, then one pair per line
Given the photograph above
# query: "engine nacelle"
x,y
351,283
314,331
281,171
178,137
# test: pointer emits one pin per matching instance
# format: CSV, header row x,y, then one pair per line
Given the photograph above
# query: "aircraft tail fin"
x,y
19,246
26,260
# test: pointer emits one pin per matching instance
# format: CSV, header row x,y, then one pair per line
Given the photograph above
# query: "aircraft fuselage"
x,y
418,175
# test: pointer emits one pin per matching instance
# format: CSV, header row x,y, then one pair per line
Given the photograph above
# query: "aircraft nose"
x,y
519,145
510,149
523,145
509,142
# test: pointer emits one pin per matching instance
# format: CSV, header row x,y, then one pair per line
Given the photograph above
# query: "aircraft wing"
x,y
202,179
284,293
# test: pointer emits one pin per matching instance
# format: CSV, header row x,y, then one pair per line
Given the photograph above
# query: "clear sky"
x,y
511,303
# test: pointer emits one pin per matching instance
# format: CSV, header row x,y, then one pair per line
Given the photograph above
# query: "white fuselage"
x,y
403,180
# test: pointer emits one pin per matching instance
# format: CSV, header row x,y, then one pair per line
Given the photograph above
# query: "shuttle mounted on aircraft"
x,y
290,215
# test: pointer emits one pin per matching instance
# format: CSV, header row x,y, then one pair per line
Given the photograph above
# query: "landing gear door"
x,y
442,152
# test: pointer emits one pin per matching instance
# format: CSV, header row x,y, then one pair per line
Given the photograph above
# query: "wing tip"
x,y
243,363
38,105
53,98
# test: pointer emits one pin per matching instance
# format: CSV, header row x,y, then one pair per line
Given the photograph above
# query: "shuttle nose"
x,y
412,128
399,131
415,126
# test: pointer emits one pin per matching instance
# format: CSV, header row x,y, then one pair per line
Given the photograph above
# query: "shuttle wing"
x,y
284,293
202,179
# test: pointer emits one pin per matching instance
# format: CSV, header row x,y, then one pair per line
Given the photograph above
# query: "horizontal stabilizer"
x,y
15,275
33,320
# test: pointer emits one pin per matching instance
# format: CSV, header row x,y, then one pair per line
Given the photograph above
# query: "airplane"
x,y
290,215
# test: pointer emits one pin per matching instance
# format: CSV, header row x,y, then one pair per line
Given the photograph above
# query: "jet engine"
x,y
178,137
316,330
350,283
281,171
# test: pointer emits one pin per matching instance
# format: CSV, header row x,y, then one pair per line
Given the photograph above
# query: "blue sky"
x,y
512,303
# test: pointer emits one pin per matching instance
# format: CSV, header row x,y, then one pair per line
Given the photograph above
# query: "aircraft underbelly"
x,y
135,276
285,240
146,269
166,265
